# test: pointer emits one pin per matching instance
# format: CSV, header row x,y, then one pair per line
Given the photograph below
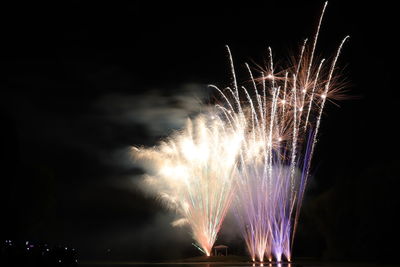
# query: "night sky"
x,y
81,83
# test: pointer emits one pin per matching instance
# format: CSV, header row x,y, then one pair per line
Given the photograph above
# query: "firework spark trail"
x,y
280,137
324,96
192,172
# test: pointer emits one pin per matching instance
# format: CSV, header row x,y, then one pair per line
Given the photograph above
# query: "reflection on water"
x,y
196,264
238,264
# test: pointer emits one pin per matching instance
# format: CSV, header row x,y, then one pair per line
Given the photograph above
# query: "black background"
x,y
59,179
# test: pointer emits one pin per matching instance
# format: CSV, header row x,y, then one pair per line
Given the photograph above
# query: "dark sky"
x,y
81,83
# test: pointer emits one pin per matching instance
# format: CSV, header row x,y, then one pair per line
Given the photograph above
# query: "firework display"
x,y
253,151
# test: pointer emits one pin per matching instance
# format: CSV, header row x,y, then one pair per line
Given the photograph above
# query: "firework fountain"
x,y
280,116
253,149
192,172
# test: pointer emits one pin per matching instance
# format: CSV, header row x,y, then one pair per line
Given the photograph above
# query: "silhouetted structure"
x,y
220,248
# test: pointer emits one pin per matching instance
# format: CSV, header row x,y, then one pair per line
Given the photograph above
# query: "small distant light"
x,y
301,109
270,76
66,248
27,242
27,248
283,102
59,260
280,139
323,96
47,249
